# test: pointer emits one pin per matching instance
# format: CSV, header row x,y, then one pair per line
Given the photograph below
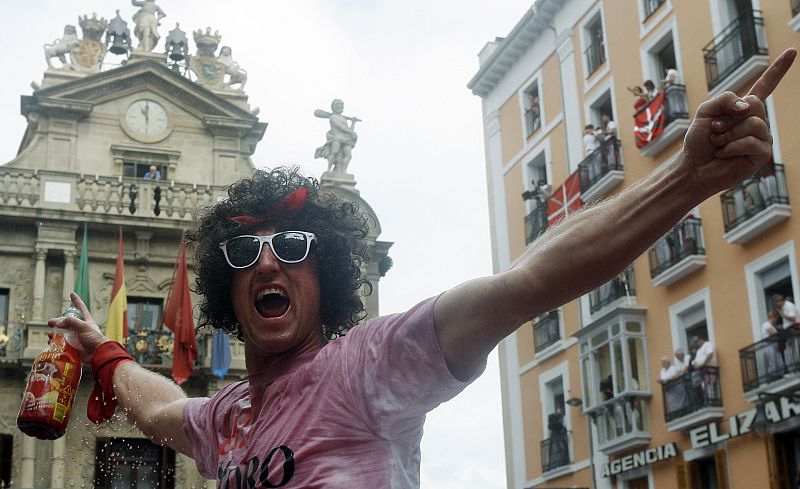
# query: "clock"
x,y
147,121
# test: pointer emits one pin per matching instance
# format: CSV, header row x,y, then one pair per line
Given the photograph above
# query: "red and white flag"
x,y
650,121
564,199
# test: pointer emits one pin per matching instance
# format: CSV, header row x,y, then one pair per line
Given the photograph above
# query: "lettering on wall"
x,y
640,459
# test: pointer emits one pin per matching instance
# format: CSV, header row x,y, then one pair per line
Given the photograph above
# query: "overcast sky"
x,y
400,66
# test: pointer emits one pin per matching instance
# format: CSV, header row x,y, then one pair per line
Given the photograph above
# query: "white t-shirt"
x,y
789,313
768,329
705,356
669,373
590,144
611,130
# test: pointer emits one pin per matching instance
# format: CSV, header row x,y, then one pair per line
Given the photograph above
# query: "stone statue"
x,y
61,47
147,21
340,139
236,74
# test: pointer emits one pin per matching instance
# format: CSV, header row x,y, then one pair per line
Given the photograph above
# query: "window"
x,y
533,114
139,169
638,483
133,463
148,342
704,473
4,293
595,52
536,209
6,460
690,319
650,7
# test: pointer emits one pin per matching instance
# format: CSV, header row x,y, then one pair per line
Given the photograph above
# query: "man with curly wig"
x,y
278,265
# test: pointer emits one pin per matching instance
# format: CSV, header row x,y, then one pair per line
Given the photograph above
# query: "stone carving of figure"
x,y
236,74
147,21
340,139
61,47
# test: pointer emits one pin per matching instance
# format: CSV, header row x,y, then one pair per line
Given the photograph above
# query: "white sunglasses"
x,y
287,246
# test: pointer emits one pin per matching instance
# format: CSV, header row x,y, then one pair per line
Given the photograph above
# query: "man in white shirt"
x,y
786,309
705,357
590,142
609,127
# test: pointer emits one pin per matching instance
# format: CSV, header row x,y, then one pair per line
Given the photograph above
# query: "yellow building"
x,y
731,421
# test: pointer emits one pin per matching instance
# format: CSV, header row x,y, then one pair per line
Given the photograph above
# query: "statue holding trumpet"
x,y
340,139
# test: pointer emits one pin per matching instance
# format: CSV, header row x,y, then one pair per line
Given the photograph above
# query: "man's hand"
x,y
86,335
729,138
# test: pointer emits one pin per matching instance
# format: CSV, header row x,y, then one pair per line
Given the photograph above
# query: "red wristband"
x,y
102,401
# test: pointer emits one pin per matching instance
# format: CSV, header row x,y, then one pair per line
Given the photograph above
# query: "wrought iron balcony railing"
x,y
533,121
771,359
555,451
765,188
682,241
536,221
49,189
739,41
595,55
546,330
620,286
601,161
691,392
650,7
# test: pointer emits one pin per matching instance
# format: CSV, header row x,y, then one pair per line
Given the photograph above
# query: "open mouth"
x,y
272,303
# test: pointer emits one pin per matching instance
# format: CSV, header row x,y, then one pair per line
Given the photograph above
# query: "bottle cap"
x,y
73,311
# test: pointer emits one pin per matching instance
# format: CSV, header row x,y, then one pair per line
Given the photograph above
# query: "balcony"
x,y
650,7
12,340
536,221
621,287
546,331
622,423
679,253
736,54
595,55
152,348
771,365
759,203
795,22
533,121
48,194
555,452
657,133
601,171
692,399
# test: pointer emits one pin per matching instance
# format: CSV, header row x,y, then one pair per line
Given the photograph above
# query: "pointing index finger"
x,y
770,79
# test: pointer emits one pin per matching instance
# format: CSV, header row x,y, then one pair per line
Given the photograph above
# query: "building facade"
x,y
583,397
94,134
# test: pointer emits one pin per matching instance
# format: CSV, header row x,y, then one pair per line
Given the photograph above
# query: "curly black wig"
x,y
340,227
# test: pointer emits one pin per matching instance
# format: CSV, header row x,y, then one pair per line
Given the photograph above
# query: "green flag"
x,y
82,280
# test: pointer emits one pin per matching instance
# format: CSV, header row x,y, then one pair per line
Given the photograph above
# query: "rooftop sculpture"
x,y
340,139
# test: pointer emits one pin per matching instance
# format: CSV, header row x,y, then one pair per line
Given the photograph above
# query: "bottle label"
x,y
53,382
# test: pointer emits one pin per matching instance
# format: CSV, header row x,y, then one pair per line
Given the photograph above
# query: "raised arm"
x,y
150,401
727,141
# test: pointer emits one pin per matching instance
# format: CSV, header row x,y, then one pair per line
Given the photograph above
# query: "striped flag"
x,y
82,280
117,324
178,318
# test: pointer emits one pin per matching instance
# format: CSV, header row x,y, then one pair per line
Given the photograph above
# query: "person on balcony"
x,y
674,392
772,331
650,89
672,77
787,310
153,173
704,357
558,452
680,362
640,100
590,141
279,265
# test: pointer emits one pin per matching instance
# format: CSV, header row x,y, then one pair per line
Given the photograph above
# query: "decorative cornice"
x,y
51,106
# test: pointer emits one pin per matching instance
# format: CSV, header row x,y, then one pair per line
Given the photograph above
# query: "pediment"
x,y
134,77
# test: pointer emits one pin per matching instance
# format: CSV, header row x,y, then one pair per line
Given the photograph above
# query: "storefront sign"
x,y
639,459
777,410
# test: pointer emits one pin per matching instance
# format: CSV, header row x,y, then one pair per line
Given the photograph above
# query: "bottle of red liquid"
x,y
52,386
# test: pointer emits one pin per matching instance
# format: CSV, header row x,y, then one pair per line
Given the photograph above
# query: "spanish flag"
x,y
117,324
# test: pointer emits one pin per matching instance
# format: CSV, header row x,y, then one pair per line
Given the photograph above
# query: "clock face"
x,y
147,119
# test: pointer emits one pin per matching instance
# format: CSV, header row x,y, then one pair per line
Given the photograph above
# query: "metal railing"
x,y
650,7
620,286
601,161
691,392
765,187
682,241
770,359
546,330
555,450
595,55
739,41
533,121
536,221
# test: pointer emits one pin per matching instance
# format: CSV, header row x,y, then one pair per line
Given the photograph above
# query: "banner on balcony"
x,y
650,121
564,199
178,318
117,322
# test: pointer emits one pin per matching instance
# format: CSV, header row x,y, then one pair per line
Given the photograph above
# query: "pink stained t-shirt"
x,y
349,415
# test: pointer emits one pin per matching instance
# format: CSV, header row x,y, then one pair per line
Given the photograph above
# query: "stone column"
x,y
26,471
69,278
57,473
38,284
